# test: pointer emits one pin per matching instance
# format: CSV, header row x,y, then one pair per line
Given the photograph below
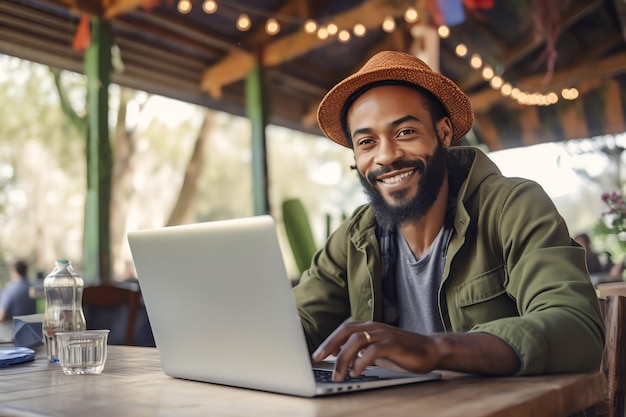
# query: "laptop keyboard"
x,y
324,375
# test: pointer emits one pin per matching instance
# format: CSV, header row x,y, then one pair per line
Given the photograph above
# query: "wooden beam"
x,y
236,65
114,8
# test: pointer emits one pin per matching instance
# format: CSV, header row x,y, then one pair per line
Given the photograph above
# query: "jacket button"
x,y
370,302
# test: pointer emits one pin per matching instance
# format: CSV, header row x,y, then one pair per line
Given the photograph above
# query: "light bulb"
x,y
209,6
184,6
389,24
496,82
461,50
359,30
243,22
476,61
411,15
310,26
488,73
272,27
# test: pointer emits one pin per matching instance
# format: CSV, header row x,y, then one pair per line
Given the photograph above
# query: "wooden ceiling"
x,y
538,46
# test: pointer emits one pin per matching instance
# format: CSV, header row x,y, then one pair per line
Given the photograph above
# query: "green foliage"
x,y
604,238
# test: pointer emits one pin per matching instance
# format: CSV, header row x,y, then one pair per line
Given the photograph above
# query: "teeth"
x,y
397,178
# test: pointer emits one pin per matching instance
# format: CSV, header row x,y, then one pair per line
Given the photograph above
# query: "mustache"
x,y
416,164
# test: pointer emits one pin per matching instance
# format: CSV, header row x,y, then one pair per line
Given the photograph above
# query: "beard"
x,y
406,209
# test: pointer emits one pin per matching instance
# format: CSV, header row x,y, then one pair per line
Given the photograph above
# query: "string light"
x,y
461,50
487,72
411,15
389,24
443,31
209,6
322,33
310,26
553,98
496,82
243,22
476,61
344,36
359,30
184,6
569,93
271,26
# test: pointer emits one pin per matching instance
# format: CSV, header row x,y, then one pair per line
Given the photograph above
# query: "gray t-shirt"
x,y
417,283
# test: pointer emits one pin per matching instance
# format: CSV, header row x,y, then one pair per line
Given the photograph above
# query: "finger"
x,y
333,342
365,357
353,356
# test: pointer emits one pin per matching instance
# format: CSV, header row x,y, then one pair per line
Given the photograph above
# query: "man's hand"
x,y
360,344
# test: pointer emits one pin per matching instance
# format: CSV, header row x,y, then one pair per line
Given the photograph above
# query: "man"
x,y
14,298
450,265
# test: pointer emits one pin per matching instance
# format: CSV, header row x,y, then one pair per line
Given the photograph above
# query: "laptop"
x,y
222,311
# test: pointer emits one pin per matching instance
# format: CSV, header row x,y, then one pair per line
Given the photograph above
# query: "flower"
x,y
616,215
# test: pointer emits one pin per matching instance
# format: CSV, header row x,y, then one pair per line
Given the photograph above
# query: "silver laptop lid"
x,y
220,305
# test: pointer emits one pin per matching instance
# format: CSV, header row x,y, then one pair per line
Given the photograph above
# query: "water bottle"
x,y
63,290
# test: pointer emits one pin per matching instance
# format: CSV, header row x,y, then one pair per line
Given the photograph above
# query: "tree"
x,y
124,141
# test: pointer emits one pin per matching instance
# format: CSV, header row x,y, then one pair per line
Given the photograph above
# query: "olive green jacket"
x,y
511,270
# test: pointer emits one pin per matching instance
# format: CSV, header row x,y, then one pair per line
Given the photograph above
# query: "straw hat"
x,y
392,65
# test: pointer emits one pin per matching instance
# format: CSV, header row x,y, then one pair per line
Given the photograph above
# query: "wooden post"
x,y
96,239
573,120
255,107
614,117
488,132
530,125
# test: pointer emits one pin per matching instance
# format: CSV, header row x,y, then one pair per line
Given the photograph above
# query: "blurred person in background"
x,y
595,263
14,297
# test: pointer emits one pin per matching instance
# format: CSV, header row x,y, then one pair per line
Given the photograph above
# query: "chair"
x,y
614,357
612,288
114,307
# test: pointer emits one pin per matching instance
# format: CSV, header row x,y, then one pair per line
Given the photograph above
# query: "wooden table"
x,y
133,384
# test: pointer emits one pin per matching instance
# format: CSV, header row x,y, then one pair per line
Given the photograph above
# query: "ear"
x,y
444,131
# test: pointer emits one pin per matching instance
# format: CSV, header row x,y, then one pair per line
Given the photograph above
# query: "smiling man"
x,y
451,265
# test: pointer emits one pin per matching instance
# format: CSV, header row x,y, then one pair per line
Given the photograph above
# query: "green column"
x,y
96,241
255,107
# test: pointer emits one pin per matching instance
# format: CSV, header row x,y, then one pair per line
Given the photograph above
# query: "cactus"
x,y
299,233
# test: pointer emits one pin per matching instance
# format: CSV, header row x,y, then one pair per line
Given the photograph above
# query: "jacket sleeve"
x,y
560,327
322,293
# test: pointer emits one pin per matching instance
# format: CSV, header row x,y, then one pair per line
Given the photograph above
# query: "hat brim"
x,y
456,103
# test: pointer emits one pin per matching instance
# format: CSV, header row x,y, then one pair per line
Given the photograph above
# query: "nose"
x,y
388,151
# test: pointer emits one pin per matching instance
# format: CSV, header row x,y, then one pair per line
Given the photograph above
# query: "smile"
x,y
396,178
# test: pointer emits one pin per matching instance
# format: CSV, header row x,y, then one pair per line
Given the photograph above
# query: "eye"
x,y
364,141
405,132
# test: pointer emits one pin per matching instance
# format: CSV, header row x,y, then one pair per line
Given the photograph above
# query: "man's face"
x,y
400,157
